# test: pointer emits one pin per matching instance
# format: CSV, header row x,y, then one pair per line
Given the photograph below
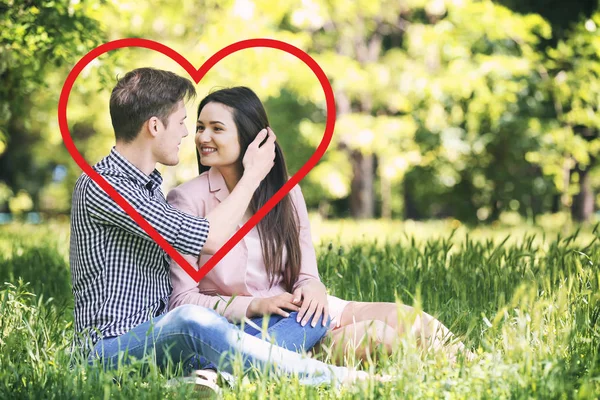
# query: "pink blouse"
x,y
234,274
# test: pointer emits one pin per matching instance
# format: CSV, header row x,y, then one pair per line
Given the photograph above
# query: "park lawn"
x,y
526,301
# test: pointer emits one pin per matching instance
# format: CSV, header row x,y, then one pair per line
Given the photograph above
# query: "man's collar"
x,y
151,181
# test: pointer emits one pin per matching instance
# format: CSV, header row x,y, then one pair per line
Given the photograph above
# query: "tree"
x,y
571,149
445,108
349,40
572,63
36,38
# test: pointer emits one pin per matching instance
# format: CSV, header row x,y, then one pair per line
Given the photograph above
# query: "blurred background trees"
x,y
445,108
37,38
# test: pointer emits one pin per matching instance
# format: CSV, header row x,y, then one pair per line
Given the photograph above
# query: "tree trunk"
x,y
361,188
410,206
582,208
564,198
556,203
362,202
386,197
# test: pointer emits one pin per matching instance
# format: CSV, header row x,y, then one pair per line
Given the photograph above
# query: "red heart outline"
x,y
196,75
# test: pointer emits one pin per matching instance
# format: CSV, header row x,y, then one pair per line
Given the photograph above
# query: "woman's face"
x,y
217,137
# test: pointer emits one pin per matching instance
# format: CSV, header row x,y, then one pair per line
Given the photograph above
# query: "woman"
x,y
273,270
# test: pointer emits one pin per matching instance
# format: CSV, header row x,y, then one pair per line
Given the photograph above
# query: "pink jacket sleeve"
x,y
308,267
185,289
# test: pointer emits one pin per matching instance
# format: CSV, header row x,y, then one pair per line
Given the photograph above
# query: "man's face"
x,y
168,138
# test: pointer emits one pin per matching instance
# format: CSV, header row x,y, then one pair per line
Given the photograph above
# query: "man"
x,y
120,275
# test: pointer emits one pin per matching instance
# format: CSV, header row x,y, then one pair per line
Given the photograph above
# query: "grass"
x,y
527,301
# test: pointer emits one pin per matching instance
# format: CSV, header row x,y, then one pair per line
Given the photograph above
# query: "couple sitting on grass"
x,y
131,299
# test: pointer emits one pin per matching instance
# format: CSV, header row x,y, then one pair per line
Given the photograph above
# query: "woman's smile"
x,y
207,150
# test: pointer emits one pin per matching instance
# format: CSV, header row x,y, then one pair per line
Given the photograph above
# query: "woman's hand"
x,y
271,305
258,161
313,297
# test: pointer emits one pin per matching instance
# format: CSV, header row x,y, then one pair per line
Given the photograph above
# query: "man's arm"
x,y
186,233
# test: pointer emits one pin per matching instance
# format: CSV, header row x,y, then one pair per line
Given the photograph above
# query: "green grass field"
x,y
527,302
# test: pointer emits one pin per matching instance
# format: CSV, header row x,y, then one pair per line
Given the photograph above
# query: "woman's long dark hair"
x,y
279,227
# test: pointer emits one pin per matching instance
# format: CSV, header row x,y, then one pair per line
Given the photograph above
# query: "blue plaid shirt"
x,y
120,276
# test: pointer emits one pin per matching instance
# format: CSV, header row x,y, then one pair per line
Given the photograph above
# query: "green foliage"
x,y
36,258
469,109
529,306
472,92
573,139
38,39
36,35
35,343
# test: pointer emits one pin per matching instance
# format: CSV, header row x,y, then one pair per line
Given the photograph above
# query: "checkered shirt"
x,y
120,276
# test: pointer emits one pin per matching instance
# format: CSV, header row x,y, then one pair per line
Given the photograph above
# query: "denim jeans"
x,y
286,332
190,332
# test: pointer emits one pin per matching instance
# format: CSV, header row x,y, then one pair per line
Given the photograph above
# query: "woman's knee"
x,y
380,333
367,333
302,337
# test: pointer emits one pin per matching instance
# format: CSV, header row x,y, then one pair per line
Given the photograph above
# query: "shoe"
x,y
204,381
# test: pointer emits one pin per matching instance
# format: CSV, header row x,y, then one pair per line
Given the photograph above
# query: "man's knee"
x,y
192,316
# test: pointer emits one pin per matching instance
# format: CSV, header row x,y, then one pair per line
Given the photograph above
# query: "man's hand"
x,y
271,305
313,297
258,161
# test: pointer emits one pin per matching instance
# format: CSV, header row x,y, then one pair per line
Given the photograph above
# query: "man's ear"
x,y
154,125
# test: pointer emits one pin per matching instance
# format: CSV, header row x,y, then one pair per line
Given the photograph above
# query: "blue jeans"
x,y
190,332
287,333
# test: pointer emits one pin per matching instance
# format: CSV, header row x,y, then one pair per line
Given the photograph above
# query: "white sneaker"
x,y
204,381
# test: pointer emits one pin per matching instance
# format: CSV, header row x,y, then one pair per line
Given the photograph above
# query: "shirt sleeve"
x,y
308,266
187,234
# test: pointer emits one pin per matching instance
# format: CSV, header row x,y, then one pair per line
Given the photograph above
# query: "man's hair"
x,y
144,93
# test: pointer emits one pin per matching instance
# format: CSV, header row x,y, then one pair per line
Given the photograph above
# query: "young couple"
x,y
124,301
